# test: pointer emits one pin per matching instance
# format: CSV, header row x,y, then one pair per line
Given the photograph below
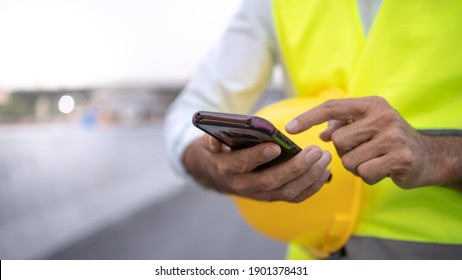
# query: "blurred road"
x,y
191,224
72,192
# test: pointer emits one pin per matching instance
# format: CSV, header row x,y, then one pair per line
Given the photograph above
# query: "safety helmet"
x,y
324,222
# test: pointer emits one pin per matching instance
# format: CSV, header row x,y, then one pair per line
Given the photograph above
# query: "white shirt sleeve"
x,y
230,79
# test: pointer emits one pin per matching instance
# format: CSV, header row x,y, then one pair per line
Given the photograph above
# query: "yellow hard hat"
x,y
323,222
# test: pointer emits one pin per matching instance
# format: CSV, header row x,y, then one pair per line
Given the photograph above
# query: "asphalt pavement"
x,y
191,224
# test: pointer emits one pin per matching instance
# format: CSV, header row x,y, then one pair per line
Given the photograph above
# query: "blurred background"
x,y
84,86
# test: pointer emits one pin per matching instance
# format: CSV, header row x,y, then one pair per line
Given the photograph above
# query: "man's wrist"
x,y
444,161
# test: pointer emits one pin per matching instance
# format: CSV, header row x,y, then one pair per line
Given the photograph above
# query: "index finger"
x,y
211,144
347,109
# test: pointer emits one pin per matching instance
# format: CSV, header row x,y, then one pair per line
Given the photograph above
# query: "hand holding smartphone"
x,y
243,131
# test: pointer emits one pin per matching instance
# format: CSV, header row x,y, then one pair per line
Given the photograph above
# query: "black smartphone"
x,y
243,131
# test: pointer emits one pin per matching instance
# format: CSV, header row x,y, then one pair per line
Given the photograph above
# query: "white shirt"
x,y
234,75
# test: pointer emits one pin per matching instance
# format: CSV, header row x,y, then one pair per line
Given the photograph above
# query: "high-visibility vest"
x,y
412,58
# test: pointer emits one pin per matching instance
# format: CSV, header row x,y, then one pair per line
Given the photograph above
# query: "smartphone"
x,y
243,131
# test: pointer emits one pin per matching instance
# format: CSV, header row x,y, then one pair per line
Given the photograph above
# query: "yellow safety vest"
x,y
411,57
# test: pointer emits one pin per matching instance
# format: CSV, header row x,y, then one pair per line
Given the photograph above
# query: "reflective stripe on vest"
x,y
369,248
412,58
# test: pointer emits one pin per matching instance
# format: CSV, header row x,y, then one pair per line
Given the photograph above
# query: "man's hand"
x,y
216,166
375,142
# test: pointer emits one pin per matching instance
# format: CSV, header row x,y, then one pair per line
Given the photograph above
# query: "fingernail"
x,y
312,156
325,159
270,152
292,125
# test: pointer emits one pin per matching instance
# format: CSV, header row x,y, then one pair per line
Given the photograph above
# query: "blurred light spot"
x,y
66,104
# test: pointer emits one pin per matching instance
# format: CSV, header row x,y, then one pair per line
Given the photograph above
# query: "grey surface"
x,y
59,182
108,192
192,224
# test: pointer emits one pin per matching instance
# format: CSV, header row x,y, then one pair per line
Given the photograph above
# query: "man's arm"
x,y
375,142
231,78
445,154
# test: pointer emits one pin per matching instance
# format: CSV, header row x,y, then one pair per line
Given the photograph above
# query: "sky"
x,y
79,43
